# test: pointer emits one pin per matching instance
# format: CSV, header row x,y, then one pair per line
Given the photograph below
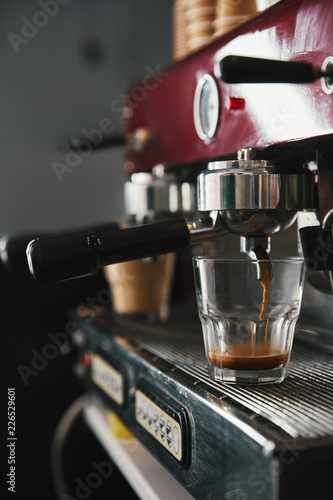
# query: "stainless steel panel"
x,y
245,442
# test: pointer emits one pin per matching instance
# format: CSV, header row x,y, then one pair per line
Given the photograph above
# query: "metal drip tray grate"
x,y
302,406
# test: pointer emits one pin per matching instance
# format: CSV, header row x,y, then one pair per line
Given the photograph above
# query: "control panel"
x,y
165,420
108,378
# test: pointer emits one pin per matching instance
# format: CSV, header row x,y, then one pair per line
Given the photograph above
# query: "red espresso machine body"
x,y
270,114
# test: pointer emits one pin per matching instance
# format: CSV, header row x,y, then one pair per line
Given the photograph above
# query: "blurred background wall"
x,y
64,63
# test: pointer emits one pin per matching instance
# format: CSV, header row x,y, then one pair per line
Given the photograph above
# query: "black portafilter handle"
x,y
74,255
13,246
12,251
239,69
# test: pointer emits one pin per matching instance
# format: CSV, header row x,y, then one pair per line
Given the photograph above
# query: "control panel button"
x,y
156,426
175,435
162,427
150,417
164,422
168,431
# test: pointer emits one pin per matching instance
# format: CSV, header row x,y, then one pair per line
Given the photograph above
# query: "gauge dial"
x,y
206,108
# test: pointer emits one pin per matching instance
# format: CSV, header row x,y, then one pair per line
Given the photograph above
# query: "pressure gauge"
x,y
206,108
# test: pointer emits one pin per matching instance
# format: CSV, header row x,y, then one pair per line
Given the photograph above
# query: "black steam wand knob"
x,y
76,144
238,69
67,256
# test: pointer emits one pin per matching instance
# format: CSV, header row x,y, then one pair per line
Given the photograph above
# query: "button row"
x,y
159,423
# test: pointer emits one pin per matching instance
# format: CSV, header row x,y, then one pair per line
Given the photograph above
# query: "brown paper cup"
x,y
226,8
205,27
198,3
198,42
142,286
179,36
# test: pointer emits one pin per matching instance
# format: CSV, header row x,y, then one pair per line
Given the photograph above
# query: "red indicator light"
x,y
235,103
86,360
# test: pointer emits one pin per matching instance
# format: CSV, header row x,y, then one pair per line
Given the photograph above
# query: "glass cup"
x,y
248,311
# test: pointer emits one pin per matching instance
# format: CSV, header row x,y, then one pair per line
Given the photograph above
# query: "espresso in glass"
x,y
248,310
253,356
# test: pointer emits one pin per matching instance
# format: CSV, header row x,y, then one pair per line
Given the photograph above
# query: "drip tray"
x,y
302,405
229,431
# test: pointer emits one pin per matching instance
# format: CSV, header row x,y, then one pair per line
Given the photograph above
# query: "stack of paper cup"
x,y
199,18
196,22
231,13
179,35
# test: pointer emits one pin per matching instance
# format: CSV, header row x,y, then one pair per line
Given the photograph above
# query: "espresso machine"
x,y
234,139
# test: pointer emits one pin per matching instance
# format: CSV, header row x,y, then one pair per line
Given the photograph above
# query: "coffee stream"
x,y
265,267
252,356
